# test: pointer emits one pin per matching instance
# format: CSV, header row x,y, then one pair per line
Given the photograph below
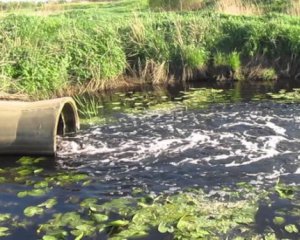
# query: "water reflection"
x,y
100,108
216,137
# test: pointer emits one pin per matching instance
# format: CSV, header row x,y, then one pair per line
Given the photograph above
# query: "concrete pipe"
x,y
31,128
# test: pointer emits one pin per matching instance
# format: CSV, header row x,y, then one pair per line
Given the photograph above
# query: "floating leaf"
x,y
4,217
2,180
70,218
26,161
49,203
22,194
116,103
165,227
84,227
37,192
37,171
119,223
284,191
20,179
4,231
42,184
187,223
25,172
88,202
100,217
291,228
33,210
279,220
48,237
80,236
86,183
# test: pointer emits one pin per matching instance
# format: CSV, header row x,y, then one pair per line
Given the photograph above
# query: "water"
x,y
184,139
225,143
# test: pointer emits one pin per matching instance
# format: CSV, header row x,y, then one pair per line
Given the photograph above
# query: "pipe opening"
x,y
67,120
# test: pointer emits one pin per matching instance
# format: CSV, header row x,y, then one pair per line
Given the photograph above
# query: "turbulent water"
x,y
223,142
257,142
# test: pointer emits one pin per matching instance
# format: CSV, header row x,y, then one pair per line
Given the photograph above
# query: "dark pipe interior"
x,y
61,126
67,120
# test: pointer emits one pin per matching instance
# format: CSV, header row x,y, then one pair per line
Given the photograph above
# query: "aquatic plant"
x,y
284,95
88,107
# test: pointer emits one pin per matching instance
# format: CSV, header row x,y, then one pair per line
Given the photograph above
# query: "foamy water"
x,y
223,144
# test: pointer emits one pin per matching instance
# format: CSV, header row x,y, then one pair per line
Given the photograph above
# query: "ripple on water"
x,y
218,145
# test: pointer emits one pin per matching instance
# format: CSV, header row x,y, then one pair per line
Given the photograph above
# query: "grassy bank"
x,y
108,45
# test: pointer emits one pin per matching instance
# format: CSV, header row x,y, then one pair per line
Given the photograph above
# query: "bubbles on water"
x,y
218,145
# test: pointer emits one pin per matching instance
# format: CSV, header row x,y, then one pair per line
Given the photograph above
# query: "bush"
x,y
195,58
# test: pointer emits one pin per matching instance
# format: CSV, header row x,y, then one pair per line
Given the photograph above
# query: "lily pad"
x,y
291,228
119,223
100,217
4,231
32,211
48,237
279,220
4,217
49,203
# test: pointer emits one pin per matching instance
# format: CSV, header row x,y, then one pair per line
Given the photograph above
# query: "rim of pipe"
x,y
67,119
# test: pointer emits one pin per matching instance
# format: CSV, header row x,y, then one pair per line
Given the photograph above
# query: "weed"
x,y
98,46
195,57
269,74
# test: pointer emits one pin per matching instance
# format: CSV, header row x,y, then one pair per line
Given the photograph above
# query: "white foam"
x,y
233,143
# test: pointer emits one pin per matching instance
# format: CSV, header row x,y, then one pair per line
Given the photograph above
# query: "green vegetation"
x,y
100,109
283,95
105,108
106,45
229,213
238,6
177,4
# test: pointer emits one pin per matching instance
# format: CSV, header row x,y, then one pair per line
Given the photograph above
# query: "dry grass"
x,y
194,5
15,96
138,30
50,8
150,72
237,7
294,10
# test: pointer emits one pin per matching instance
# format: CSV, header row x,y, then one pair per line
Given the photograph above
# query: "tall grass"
x,y
82,49
176,4
238,7
294,8
235,7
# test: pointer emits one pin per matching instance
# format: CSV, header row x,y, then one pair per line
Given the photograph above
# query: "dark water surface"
x,y
207,139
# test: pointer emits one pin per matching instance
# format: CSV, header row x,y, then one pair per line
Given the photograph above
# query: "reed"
x,y
238,7
294,8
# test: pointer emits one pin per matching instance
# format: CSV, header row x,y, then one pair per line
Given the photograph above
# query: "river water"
x,y
207,137
252,141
